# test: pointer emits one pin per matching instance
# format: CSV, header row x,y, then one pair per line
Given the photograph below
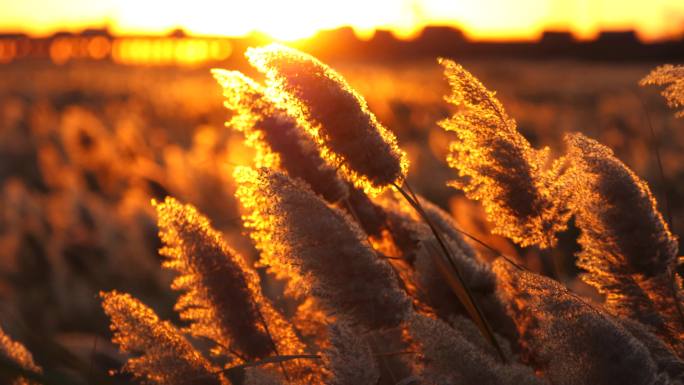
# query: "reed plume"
x,y
319,249
312,323
407,232
627,247
166,357
462,356
673,78
279,140
570,341
498,166
418,248
437,293
14,353
261,376
222,296
403,220
367,213
335,115
349,134
665,358
349,359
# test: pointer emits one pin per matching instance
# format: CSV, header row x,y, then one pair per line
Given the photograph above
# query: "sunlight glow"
x,y
287,20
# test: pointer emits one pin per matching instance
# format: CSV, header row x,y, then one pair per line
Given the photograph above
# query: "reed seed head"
x,y
349,359
278,138
319,249
335,115
462,356
628,250
498,166
571,341
673,78
617,213
222,297
167,358
17,354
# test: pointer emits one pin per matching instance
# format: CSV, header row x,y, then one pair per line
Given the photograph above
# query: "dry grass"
x,y
375,284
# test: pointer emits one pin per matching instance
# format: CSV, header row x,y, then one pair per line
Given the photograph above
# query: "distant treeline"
x,y
451,42
178,48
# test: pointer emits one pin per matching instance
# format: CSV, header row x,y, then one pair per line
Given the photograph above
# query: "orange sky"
x,y
287,19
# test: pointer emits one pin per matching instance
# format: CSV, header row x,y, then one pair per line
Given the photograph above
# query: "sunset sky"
x,y
289,19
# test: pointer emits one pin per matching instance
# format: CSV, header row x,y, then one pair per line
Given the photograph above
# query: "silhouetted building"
x,y
91,32
178,33
13,35
343,36
440,41
384,45
557,44
334,43
620,38
62,34
178,48
557,38
614,45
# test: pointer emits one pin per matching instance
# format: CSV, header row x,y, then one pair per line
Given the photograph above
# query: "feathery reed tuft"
x,y
418,248
261,376
319,249
498,166
222,294
167,357
478,277
407,224
665,358
369,215
673,77
349,359
16,354
462,356
570,340
426,280
335,115
279,140
627,248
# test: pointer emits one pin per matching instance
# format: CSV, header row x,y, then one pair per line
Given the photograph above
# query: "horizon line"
x,y
256,33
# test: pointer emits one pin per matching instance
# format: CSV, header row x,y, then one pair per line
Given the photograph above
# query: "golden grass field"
x,y
86,147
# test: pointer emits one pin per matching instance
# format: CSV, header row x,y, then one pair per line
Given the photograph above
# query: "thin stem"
x,y
230,350
468,300
383,360
273,344
351,210
661,170
270,360
668,210
480,242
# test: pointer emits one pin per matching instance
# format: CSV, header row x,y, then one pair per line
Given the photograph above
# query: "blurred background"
x,y
106,105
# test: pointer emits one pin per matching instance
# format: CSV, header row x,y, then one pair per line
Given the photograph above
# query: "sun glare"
x,y
280,30
281,20
294,19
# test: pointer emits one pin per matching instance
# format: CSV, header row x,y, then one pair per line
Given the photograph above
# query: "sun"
x,y
286,33
281,20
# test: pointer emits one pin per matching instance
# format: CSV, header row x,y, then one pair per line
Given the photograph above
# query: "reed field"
x,y
290,221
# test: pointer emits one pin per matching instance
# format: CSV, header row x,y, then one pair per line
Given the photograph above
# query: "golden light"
x,y
8,50
61,51
169,51
293,19
98,47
